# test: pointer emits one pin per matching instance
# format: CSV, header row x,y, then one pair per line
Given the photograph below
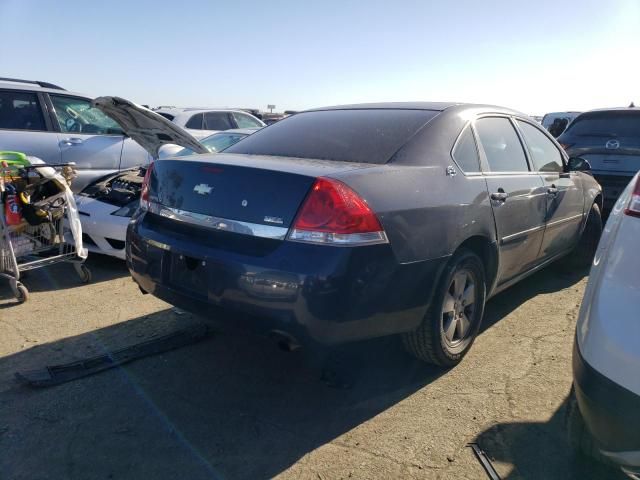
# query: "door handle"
x,y
499,196
552,190
71,141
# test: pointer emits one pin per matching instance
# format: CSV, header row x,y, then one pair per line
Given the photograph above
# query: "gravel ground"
x,y
234,406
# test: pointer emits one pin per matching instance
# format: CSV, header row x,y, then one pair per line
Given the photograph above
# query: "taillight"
x,y
334,214
633,207
144,192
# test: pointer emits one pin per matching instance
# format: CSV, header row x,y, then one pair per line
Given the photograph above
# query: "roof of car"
x,y
37,87
615,109
432,106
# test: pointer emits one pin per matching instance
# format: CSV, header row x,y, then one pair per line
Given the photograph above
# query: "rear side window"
x,y
363,136
501,145
195,122
246,121
607,124
20,111
217,121
544,154
465,152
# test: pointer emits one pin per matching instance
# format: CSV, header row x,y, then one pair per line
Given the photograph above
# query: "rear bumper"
x,y
611,412
331,294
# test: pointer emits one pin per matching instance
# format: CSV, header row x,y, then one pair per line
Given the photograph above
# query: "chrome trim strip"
x,y
564,220
515,236
218,223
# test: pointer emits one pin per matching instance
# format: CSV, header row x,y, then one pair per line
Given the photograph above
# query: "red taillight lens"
x,y
144,192
633,207
333,213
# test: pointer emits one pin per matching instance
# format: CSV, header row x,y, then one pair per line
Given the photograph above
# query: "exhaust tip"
x,y
285,341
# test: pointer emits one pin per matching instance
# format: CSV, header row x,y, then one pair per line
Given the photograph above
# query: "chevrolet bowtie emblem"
x,y
202,189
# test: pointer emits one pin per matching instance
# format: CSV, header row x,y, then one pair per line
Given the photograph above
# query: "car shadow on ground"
x,y
63,275
551,279
532,447
232,406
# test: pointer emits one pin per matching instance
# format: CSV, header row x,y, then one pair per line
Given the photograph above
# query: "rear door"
x,y
565,198
25,128
87,137
518,196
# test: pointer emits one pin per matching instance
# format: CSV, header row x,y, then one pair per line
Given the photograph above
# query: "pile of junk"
x,y
39,222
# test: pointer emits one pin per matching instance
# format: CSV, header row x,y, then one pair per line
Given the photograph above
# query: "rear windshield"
x,y
607,124
362,136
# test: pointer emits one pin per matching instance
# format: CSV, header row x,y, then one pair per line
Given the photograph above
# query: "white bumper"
x,y
102,227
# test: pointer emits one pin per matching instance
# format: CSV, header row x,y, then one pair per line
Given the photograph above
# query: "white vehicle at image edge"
x,y
201,122
106,205
603,416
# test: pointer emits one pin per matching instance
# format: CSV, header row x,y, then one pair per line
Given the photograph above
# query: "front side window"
x,y
544,154
20,111
501,145
246,121
195,122
76,115
465,152
217,121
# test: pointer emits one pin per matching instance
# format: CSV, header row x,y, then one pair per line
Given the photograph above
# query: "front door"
x,y
87,138
565,200
518,196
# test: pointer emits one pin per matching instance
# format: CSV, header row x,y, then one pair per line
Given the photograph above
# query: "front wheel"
x,y
453,319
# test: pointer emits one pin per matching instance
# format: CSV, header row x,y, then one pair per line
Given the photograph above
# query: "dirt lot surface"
x,y
234,406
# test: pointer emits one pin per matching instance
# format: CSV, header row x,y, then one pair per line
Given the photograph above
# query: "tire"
x,y
21,293
434,341
84,273
578,435
582,255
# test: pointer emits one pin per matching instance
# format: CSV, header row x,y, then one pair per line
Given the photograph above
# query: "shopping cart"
x,y
38,243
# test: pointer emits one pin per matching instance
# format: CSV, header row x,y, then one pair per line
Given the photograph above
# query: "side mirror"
x,y
577,164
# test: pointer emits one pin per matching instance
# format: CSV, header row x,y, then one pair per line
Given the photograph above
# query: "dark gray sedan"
x,y
359,221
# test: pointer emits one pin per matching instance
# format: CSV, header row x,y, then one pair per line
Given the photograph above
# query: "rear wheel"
x,y
453,319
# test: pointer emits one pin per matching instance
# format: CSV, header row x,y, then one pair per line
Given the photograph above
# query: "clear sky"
x,y
535,56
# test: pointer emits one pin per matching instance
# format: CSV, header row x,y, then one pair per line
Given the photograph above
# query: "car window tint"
x,y
195,122
619,123
465,152
544,154
501,145
363,136
20,111
76,115
217,121
246,121
220,141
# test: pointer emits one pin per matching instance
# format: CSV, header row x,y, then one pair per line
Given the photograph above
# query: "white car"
x,y
106,205
201,122
606,358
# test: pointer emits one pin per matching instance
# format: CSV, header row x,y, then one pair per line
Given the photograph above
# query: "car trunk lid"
x,y
147,128
255,190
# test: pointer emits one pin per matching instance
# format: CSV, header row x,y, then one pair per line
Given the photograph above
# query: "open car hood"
x,y
147,128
